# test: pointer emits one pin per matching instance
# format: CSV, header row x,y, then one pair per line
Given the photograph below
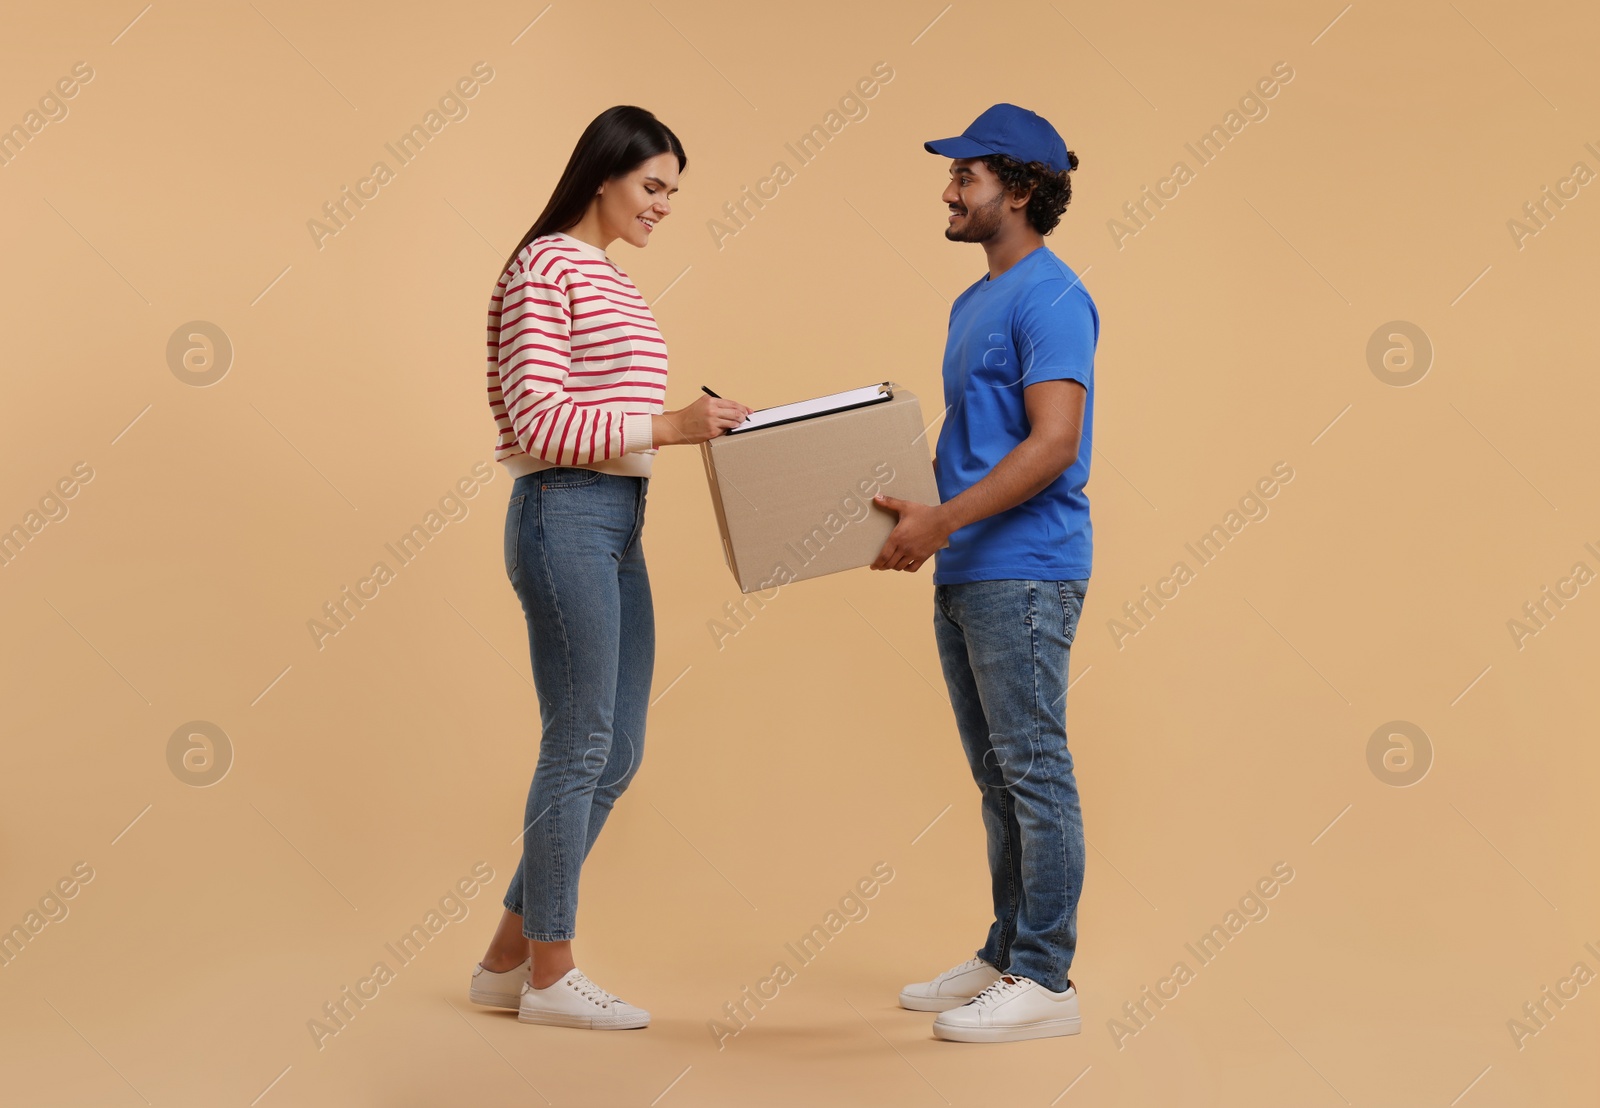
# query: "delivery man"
x,y
1012,544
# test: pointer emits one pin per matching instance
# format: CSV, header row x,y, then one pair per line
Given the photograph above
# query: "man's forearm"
x,y
1027,470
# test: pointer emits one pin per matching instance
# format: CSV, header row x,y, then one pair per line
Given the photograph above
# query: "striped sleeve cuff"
x,y
637,432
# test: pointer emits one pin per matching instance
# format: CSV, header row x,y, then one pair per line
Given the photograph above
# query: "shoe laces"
x,y
591,992
1001,990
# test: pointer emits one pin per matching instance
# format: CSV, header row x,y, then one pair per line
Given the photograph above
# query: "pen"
x,y
714,396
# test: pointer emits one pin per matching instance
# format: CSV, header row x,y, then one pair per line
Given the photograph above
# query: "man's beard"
x,y
981,222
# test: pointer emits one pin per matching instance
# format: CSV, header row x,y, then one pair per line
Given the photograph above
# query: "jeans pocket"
x,y
567,477
513,535
1072,594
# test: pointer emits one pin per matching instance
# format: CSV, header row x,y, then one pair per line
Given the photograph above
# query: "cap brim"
x,y
958,147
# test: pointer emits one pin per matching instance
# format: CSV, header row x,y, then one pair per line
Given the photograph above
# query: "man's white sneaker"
x,y
575,1001
499,990
953,987
1011,1009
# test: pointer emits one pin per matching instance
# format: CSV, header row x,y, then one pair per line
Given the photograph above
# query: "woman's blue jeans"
x,y
1004,647
574,556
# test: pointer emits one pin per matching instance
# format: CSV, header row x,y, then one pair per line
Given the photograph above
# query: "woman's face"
x,y
631,206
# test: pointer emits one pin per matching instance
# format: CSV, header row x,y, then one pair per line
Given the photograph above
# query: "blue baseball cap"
x,y
1009,130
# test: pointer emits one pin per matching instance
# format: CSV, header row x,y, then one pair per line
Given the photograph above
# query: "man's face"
x,y
976,200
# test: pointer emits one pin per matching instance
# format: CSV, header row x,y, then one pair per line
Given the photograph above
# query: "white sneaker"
x,y
953,987
575,1001
1012,1008
499,990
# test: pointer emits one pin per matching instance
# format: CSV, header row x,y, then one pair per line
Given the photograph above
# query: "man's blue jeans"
x,y
573,553
1004,647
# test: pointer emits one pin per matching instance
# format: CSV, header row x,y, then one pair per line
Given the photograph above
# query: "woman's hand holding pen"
x,y
706,418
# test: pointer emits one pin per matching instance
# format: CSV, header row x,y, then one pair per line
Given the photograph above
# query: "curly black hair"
x,y
1052,191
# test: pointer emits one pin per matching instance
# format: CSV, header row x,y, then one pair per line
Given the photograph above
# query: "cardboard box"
x,y
794,501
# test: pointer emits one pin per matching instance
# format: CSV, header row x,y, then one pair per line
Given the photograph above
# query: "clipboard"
x,y
777,416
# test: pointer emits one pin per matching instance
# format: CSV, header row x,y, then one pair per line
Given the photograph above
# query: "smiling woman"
x,y
577,384
616,153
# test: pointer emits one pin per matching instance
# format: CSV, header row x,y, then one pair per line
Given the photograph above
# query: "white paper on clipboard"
x,y
822,405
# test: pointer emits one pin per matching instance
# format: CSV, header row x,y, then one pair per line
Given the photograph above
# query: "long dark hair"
x,y
613,145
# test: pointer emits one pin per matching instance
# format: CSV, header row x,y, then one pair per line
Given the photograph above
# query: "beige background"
x,y
1230,734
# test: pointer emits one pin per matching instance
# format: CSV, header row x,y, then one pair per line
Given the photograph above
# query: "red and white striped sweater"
x,y
577,365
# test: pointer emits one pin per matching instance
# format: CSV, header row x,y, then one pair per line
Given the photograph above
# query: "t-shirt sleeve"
x,y
1055,330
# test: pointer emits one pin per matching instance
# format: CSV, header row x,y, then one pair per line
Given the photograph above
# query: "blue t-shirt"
x,y
1035,322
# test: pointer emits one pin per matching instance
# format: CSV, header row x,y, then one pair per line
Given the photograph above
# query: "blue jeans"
x,y
1004,647
574,556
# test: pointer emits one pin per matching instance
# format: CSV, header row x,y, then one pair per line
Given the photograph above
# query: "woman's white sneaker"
x,y
953,987
499,990
1011,1009
575,1001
